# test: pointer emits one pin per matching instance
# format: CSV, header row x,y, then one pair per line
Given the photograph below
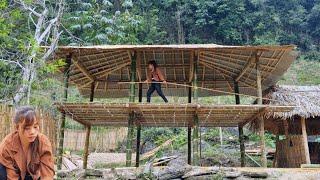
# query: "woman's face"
x,y
28,133
151,67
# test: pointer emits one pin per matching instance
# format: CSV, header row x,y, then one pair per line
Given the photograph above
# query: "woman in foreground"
x,y
26,154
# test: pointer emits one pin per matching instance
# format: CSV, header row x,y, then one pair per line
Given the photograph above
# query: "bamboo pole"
x,y
260,118
202,88
131,115
86,147
63,115
305,140
138,145
240,128
196,157
129,140
189,128
88,131
139,131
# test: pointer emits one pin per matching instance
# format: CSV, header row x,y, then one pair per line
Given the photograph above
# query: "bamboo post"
x,y
189,128
131,115
63,115
189,144
274,163
138,145
88,131
260,118
305,140
240,128
129,140
139,131
86,147
196,157
140,92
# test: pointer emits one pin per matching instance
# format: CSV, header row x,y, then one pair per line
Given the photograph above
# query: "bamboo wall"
x,y
290,152
100,141
47,123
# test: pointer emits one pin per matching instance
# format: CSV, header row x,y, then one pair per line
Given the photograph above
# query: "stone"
x,y
175,169
199,171
255,174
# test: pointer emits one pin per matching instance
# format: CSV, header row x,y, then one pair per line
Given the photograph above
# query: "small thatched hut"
x,y
297,129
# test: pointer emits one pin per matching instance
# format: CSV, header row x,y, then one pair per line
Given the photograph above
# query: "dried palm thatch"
x,y
306,100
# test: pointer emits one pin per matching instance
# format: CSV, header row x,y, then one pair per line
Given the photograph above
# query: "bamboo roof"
x,y
218,67
165,115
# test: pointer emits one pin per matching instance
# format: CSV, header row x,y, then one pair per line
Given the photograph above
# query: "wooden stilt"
x,y
240,128
305,140
138,145
242,147
189,145
131,115
88,130
92,91
260,118
196,154
189,128
129,140
139,131
63,115
274,163
196,157
140,92
86,147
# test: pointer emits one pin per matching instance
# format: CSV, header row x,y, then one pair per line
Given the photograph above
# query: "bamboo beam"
x,y
79,65
246,67
86,147
305,140
63,115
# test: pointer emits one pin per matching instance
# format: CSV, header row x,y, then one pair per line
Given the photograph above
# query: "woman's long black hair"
x,y
153,63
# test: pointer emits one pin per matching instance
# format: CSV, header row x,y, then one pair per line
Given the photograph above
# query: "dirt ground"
x,y
288,173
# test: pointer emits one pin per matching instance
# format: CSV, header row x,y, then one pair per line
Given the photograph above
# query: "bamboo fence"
x,y
100,141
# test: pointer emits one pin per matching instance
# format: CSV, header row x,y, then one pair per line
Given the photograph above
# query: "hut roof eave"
x,y
306,100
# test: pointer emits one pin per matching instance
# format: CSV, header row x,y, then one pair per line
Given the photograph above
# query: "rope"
x,y
196,87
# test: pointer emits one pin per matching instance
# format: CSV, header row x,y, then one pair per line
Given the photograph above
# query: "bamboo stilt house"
x,y
296,125
193,70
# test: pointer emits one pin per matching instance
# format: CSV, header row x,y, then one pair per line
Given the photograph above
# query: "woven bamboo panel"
x,y
290,152
166,115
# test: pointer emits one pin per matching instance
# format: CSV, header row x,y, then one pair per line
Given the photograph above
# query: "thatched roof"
x,y
218,67
306,100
